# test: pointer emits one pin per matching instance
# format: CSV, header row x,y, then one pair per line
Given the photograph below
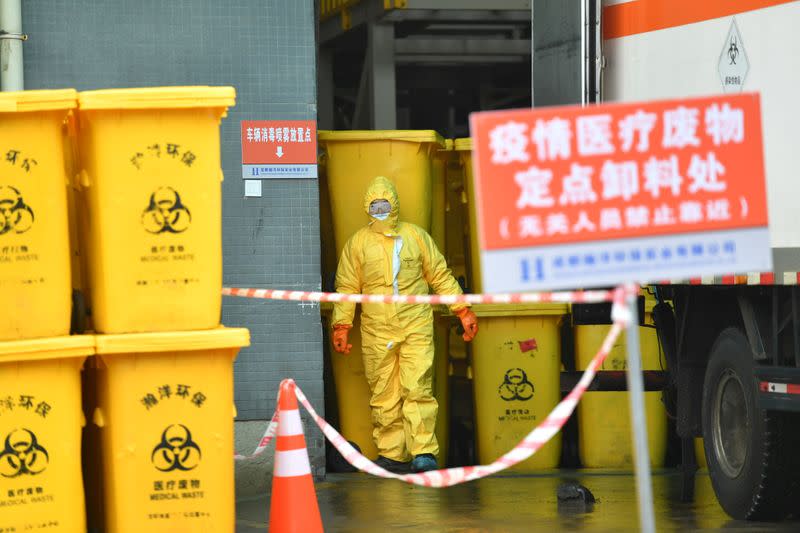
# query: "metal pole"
x,y
11,37
644,487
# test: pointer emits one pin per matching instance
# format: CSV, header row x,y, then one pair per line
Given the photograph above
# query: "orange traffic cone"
x,y
294,503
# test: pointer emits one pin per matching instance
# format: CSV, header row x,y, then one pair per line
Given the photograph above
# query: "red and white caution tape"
x,y
434,299
532,443
269,434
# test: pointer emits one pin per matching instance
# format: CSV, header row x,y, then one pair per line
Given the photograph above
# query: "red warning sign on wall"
x,y
279,149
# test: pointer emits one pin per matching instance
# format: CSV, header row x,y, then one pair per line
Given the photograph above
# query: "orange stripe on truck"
x,y
640,16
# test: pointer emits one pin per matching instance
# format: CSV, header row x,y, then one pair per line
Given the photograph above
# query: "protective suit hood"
x,y
382,189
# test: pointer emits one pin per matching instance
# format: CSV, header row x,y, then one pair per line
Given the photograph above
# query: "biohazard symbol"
x,y
516,386
22,454
176,451
733,51
15,214
166,213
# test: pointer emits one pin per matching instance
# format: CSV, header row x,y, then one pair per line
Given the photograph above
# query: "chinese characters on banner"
x,y
279,149
578,197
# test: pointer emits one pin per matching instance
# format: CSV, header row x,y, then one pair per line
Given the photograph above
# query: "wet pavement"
x,y
357,502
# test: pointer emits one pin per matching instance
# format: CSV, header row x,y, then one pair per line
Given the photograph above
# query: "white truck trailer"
x,y
732,342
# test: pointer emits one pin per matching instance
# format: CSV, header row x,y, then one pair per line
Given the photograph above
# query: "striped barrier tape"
x,y
269,434
532,443
433,299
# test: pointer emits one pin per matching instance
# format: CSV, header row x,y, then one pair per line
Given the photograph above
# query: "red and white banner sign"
x,y
279,149
592,196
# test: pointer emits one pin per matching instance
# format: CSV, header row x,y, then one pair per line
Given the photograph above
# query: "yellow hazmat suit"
x,y
393,257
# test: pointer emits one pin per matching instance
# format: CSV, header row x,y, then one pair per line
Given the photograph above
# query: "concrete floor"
x,y
357,502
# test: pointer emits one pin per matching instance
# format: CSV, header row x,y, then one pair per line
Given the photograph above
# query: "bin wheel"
x,y
337,463
749,450
79,313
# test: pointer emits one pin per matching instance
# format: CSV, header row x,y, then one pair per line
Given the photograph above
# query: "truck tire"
x,y
748,450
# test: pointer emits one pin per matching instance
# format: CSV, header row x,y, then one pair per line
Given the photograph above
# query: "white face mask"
x,y
383,216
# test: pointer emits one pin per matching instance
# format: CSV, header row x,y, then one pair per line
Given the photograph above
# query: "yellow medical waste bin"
x,y
464,149
151,173
165,412
34,229
441,158
441,383
40,430
516,373
354,158
604,417
456,222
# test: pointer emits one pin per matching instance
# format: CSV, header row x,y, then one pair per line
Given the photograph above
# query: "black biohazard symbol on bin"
x,y
15,214
516,386
22,454
166,213
176,451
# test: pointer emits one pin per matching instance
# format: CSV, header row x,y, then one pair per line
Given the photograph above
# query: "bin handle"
x,y
98,418
82,180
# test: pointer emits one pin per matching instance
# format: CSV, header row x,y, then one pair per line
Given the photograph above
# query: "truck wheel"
x,y
748,450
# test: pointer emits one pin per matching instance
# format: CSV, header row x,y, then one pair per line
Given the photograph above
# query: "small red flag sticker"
x,y
528,345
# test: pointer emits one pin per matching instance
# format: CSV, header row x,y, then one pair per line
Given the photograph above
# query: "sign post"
x,y
582,197
641,449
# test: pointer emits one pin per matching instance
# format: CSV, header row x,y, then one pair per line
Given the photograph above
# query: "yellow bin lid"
x,y
158,98
463,145
47,348
28,101
173,341
418,136
511,310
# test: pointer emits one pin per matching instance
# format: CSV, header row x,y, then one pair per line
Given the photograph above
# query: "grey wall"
x,y
266,49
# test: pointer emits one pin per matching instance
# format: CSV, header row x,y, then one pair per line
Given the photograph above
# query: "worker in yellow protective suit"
x,y
392,257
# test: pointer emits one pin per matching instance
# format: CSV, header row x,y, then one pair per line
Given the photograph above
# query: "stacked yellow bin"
x,y
40,427
604,417
161,393
165,412
34,237
151,176
40,365
352,159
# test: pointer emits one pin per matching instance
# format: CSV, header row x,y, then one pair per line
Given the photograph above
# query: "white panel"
x,y
683,61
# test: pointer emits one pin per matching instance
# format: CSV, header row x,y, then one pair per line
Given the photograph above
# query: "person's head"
x,y
382,205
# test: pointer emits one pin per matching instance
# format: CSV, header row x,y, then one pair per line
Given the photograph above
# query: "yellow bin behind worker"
x,y
464,149
165,412
40,430
604,417
440,160
517,378
151,172
456,221
34,234
354,158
